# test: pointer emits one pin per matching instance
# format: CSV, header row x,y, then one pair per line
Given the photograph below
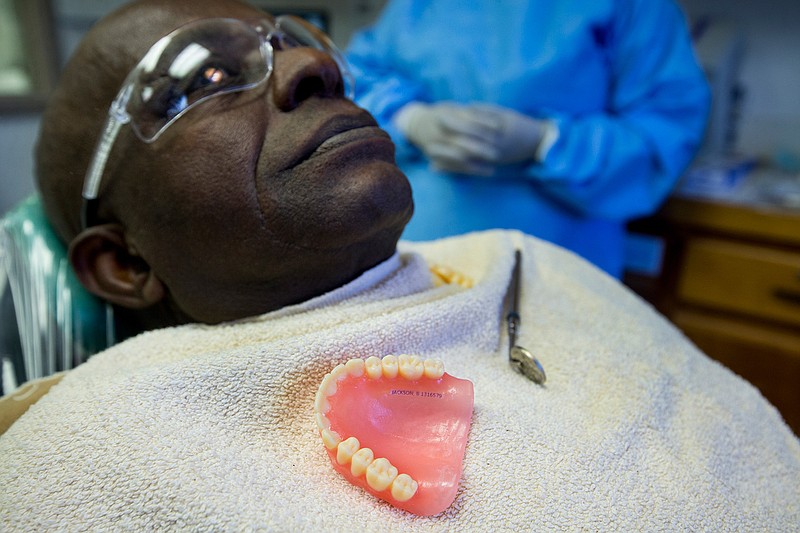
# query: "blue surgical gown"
x,y
619,79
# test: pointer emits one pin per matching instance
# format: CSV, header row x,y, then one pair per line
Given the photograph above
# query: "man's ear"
x,y
109,268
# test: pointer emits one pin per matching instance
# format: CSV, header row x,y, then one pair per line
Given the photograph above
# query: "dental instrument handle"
x,y
513,310
520,359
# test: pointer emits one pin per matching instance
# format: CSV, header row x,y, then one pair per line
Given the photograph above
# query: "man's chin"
x,y
356,204
382,219
380,234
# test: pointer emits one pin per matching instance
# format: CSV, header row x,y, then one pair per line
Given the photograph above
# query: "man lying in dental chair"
x,y
291,367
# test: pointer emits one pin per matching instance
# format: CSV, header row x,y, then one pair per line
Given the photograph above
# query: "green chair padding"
x,y
59,323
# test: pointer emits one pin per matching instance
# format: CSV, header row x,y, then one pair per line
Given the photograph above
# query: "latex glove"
x,y
453,138
511,136
471,139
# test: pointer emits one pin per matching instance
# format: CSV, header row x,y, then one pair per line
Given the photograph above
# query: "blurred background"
x,y
721,259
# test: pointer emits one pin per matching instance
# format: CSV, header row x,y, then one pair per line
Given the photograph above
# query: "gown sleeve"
x,y
623,162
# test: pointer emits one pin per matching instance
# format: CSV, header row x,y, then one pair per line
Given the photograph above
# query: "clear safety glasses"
x,y
198,61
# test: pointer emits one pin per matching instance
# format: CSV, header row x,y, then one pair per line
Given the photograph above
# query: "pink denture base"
x,y
420,425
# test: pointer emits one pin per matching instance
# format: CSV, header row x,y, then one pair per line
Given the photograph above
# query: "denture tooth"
x,y
328,385
404,487
380,474
355,367
373,367
346,449
339,372
389,366
434,368
410,366
321,404
330,438
360,461
462,280
322,421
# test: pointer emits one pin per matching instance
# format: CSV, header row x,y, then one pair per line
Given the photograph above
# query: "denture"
x,y
397,427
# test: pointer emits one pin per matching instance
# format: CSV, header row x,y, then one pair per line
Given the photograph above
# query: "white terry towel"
x,y
211,427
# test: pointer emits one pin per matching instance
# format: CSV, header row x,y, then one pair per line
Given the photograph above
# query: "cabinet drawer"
x,y
755,280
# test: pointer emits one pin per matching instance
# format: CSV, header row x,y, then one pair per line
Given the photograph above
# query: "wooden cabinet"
x,y
729,277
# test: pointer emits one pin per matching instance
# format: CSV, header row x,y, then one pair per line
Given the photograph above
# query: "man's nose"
x,y
300,73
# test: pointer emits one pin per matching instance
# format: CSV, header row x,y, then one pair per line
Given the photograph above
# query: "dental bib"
x,y
397,427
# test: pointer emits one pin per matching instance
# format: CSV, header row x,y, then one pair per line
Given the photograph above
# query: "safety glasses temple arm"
x,y
91,184
117,117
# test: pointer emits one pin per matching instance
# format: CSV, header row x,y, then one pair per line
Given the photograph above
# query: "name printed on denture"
x,y
424,394
397,427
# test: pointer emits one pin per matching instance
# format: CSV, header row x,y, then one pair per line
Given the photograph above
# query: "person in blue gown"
x,y
561,119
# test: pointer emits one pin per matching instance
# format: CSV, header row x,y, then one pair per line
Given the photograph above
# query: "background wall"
x,y
770,70
769,114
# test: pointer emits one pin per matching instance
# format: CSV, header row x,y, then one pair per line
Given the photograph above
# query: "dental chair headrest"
x,y
59,323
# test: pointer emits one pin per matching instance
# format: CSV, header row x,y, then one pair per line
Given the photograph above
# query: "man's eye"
x,y
213,75
206,81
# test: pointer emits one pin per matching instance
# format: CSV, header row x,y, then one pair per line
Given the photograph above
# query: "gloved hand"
x,y
470,139
512,136
448,135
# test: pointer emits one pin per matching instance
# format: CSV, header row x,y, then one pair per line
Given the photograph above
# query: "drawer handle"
x,y
787,296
